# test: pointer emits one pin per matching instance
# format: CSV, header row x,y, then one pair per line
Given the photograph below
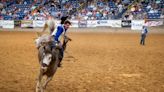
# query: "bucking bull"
x,y
49,53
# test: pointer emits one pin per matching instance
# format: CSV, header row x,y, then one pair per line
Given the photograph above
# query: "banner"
x,y
137,24
38,23
1,23
154,23
126,23
7,24
74,23
102,23
17,23
91,23
82,24
115,23
26,23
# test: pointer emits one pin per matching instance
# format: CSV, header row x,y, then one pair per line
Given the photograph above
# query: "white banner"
x,y
1,23
26,23
82,23
102,23
7,24
91,23
154,23
74,23
38,23
115,23
137,24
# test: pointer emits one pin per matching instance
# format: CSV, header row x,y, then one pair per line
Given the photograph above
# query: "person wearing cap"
x,y
50,24
143,35
63,19
58,34
62,29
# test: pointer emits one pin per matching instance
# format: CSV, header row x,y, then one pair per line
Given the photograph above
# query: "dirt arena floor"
x,y
94,62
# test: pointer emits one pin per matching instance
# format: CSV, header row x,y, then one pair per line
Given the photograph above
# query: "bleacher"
x,y
155,15
74,4
112,5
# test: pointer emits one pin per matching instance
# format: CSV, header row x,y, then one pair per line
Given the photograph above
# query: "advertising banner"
x,y
102,23
26,23
91,23
137,24
154,23
126,23
38,23
1,23
17,23
74,23
115,23
82,24
7,24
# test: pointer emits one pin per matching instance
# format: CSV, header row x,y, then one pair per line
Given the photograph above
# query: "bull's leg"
x,y
38,85
46,82
49,78
60,57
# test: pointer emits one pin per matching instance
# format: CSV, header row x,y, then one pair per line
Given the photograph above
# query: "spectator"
x,y
3,11
25,3
1,6
120,7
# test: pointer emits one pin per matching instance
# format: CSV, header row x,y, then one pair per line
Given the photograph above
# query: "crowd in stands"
x,y
81,9
102,9
146,9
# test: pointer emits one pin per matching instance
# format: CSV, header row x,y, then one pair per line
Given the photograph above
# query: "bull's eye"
x,y
49,58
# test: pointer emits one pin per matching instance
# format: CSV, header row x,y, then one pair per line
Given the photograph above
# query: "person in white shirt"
x,y
143,35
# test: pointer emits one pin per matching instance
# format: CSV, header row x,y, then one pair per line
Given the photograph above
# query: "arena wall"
x,y
133,24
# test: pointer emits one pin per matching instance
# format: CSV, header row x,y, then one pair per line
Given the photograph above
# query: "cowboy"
x,y
57,34
50,23
143,35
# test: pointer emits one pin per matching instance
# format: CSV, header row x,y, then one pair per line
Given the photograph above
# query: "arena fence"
x,y
133,24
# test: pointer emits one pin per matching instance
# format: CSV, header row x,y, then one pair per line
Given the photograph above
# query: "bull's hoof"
x,y
44,87
38,89
59,65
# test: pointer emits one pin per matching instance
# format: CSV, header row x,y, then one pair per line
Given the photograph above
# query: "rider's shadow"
x,y
69,57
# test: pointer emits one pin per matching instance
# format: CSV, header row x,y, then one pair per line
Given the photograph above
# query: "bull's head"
x,y
47,53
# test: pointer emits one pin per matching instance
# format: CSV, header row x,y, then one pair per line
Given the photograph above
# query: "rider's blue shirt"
x,y
60,29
